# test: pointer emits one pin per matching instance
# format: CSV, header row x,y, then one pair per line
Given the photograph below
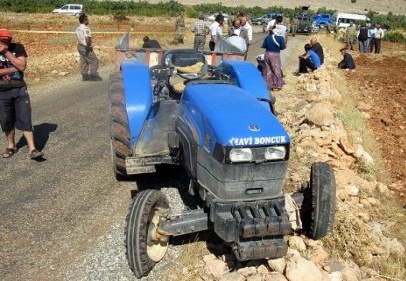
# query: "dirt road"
x,y
51,211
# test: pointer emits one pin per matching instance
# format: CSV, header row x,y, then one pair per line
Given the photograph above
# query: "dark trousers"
x,y
378,46
212,45
372,45
15,110
304,64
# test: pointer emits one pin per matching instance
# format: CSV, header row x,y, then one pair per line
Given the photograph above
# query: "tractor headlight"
x,y
240,155
275,153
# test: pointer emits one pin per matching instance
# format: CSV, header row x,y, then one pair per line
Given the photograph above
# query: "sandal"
x,y
35,154
9,152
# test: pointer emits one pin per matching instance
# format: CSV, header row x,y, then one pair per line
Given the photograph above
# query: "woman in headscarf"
x,y
273,44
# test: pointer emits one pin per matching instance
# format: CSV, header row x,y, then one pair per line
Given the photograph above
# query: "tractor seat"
x,y
188,65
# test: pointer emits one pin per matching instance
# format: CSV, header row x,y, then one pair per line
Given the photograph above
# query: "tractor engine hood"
x,y
227,115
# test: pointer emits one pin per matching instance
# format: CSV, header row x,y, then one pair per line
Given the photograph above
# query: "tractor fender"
x,y
246,76
138,96
189,145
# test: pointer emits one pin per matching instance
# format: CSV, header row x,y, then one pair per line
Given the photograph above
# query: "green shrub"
x,y
395,36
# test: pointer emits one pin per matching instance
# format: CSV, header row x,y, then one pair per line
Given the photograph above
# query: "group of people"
x,y
312,58
274,43
369,37
239,32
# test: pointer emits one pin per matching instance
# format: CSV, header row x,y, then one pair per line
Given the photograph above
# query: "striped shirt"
x,y
200,27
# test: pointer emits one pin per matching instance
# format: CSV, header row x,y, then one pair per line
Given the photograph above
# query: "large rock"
x,y
297,243
215,267
277,265
320,115
301,269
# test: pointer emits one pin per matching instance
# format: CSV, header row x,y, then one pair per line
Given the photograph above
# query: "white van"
x,y
343,19
71,9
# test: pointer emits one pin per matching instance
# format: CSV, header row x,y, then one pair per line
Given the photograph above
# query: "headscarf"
x,y
277,31
5,33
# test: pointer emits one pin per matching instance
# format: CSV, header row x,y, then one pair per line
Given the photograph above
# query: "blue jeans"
x,y
363,46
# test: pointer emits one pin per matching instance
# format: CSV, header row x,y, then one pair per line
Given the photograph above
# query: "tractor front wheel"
x,y
145,246
318,207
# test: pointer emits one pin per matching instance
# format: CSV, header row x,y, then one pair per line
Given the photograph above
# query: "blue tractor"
x,y
210,113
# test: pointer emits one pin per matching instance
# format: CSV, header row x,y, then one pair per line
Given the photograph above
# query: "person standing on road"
x,y
278,22
245,24
216,29
180,29
238,30
295,23
273,44
88,59
200,29
15,106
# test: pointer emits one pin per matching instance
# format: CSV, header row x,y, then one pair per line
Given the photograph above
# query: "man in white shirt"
x,y
88,59
248,27
216,29
379,34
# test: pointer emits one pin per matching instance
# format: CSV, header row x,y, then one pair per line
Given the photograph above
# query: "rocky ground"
x,y
367,242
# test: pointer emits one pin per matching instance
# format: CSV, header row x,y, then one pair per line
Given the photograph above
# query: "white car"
x,y
213,16
71,9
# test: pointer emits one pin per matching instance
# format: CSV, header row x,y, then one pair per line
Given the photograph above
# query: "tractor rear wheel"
x,y
145,246
318,207
119,128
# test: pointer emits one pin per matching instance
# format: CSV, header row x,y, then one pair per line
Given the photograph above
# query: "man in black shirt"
x,y
347,62
15,106
148,43
317,48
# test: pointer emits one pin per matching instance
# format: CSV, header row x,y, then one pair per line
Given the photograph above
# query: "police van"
x,y
340,20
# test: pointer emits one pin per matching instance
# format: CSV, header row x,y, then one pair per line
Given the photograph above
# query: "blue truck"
x,y
321,20
211,114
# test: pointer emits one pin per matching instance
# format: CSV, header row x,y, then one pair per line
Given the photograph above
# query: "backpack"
x,y
363,34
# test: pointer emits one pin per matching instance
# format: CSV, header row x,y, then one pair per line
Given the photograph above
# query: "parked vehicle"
x,y
211,114
305,22
265,18
321,20
340,20
71,9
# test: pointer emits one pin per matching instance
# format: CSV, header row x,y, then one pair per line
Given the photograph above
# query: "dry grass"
x,y
352,118
351,238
